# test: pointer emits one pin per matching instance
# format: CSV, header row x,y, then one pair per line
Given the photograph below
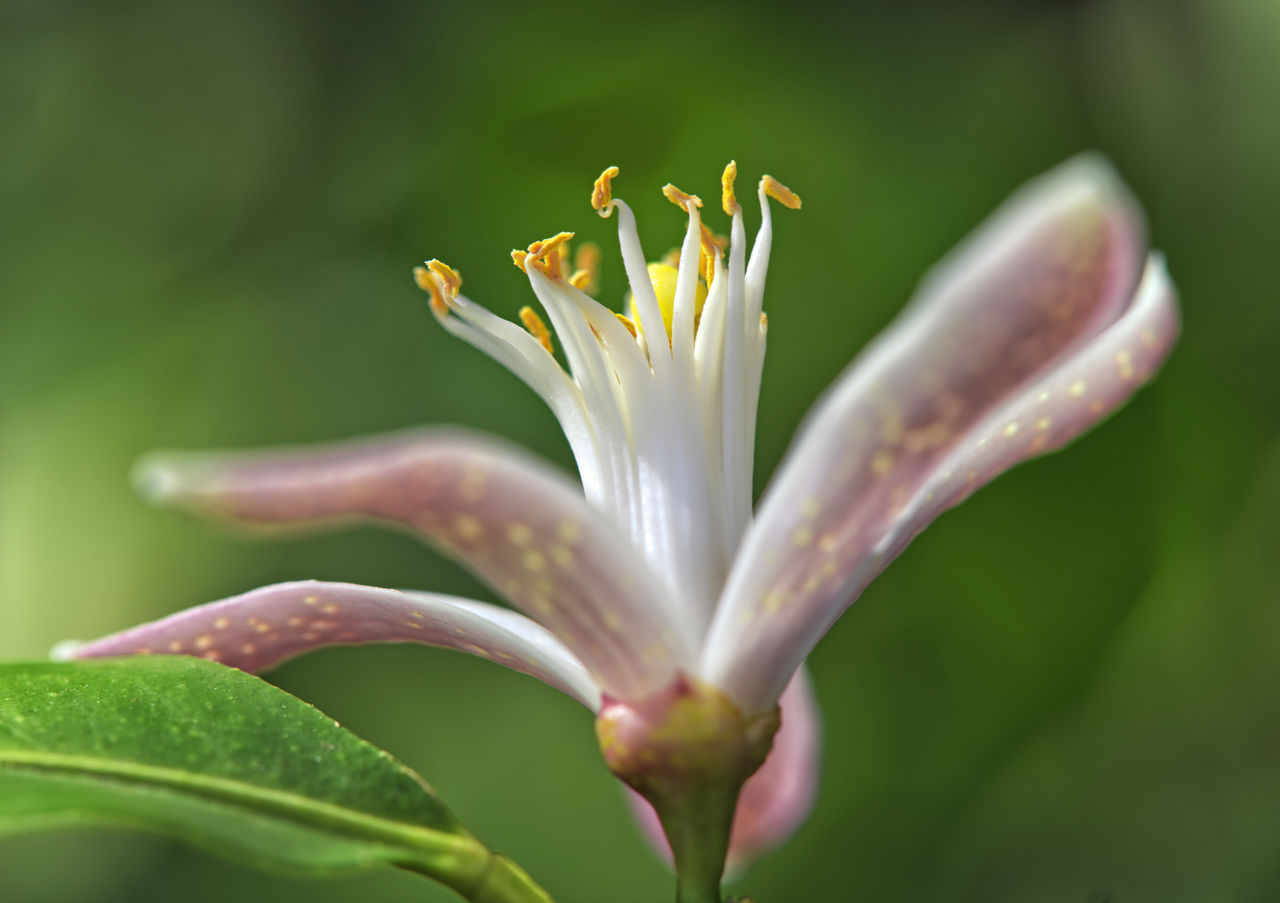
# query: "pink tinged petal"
x,y
777,799
1032,332
519,525
258,630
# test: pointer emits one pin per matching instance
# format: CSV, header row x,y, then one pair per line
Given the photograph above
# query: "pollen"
x,y
221,624
519,534
780,193
1077,388
1125,362
602,192
549,256
727,199
1011,429
569,531
427,283
586,268
537,328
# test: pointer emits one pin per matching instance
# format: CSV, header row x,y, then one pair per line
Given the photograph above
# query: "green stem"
x,y
697,823
506,882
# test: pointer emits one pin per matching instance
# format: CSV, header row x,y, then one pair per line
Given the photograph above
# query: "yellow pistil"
x,y
602,192
537,328
780,193
662,276
727,199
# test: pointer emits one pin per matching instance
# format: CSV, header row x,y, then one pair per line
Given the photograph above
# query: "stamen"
x,y
427,283
547,255
680,198
439,281
602,192
586,266
625,321
537,328
780,193
727,199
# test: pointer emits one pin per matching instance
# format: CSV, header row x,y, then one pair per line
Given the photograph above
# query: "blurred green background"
x,y
1067,690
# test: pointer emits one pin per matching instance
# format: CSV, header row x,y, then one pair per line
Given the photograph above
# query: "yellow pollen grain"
x,y
533,561
212,655
1077,388
780,193
295,621
262,627
203,642
827,543
1042,397
414,624
802,536
1096,405
537,328
468,527
562,555
542,605
330,609
1124,361
612,621
519,534
175,646
679,198
1011,429
727,200
248,649
221,624
602,191
773,601
881,463
810,508
309,600
1148,337
569,531
1043,424
811,584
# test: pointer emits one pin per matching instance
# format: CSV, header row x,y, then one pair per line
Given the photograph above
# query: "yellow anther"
x,y
680,198
440,282
518,258
631,327
709,251
586,261
727,200
450,281
780,193
602,193
548,255
537,328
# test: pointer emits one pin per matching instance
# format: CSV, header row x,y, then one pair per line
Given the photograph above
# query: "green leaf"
x,y
226,761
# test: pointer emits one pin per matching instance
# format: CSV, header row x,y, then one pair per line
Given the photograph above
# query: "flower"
x,y
656,600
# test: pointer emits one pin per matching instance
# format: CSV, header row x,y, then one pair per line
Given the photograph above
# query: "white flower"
x,y
656,600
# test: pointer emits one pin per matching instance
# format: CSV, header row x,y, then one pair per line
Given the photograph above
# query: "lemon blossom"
x,y
651,595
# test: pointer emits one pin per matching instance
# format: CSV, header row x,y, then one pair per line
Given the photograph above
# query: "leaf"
x,y
224,760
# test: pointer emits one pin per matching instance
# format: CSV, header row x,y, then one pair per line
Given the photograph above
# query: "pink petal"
x,y
1025,339
776,799
520,526
257,630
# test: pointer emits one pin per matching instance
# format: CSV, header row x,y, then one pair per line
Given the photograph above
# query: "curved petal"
x,y
776,799
257,630
517,524
1031,333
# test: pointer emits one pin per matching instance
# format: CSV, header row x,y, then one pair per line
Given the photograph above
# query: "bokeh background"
x,y
1066,690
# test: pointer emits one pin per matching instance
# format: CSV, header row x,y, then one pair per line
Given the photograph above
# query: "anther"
x,y
727,199
680,198
537,328
780,193
602,192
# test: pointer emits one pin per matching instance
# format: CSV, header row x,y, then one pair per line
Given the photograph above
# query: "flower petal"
x,y
257,630
776,799
517,524
1025,339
